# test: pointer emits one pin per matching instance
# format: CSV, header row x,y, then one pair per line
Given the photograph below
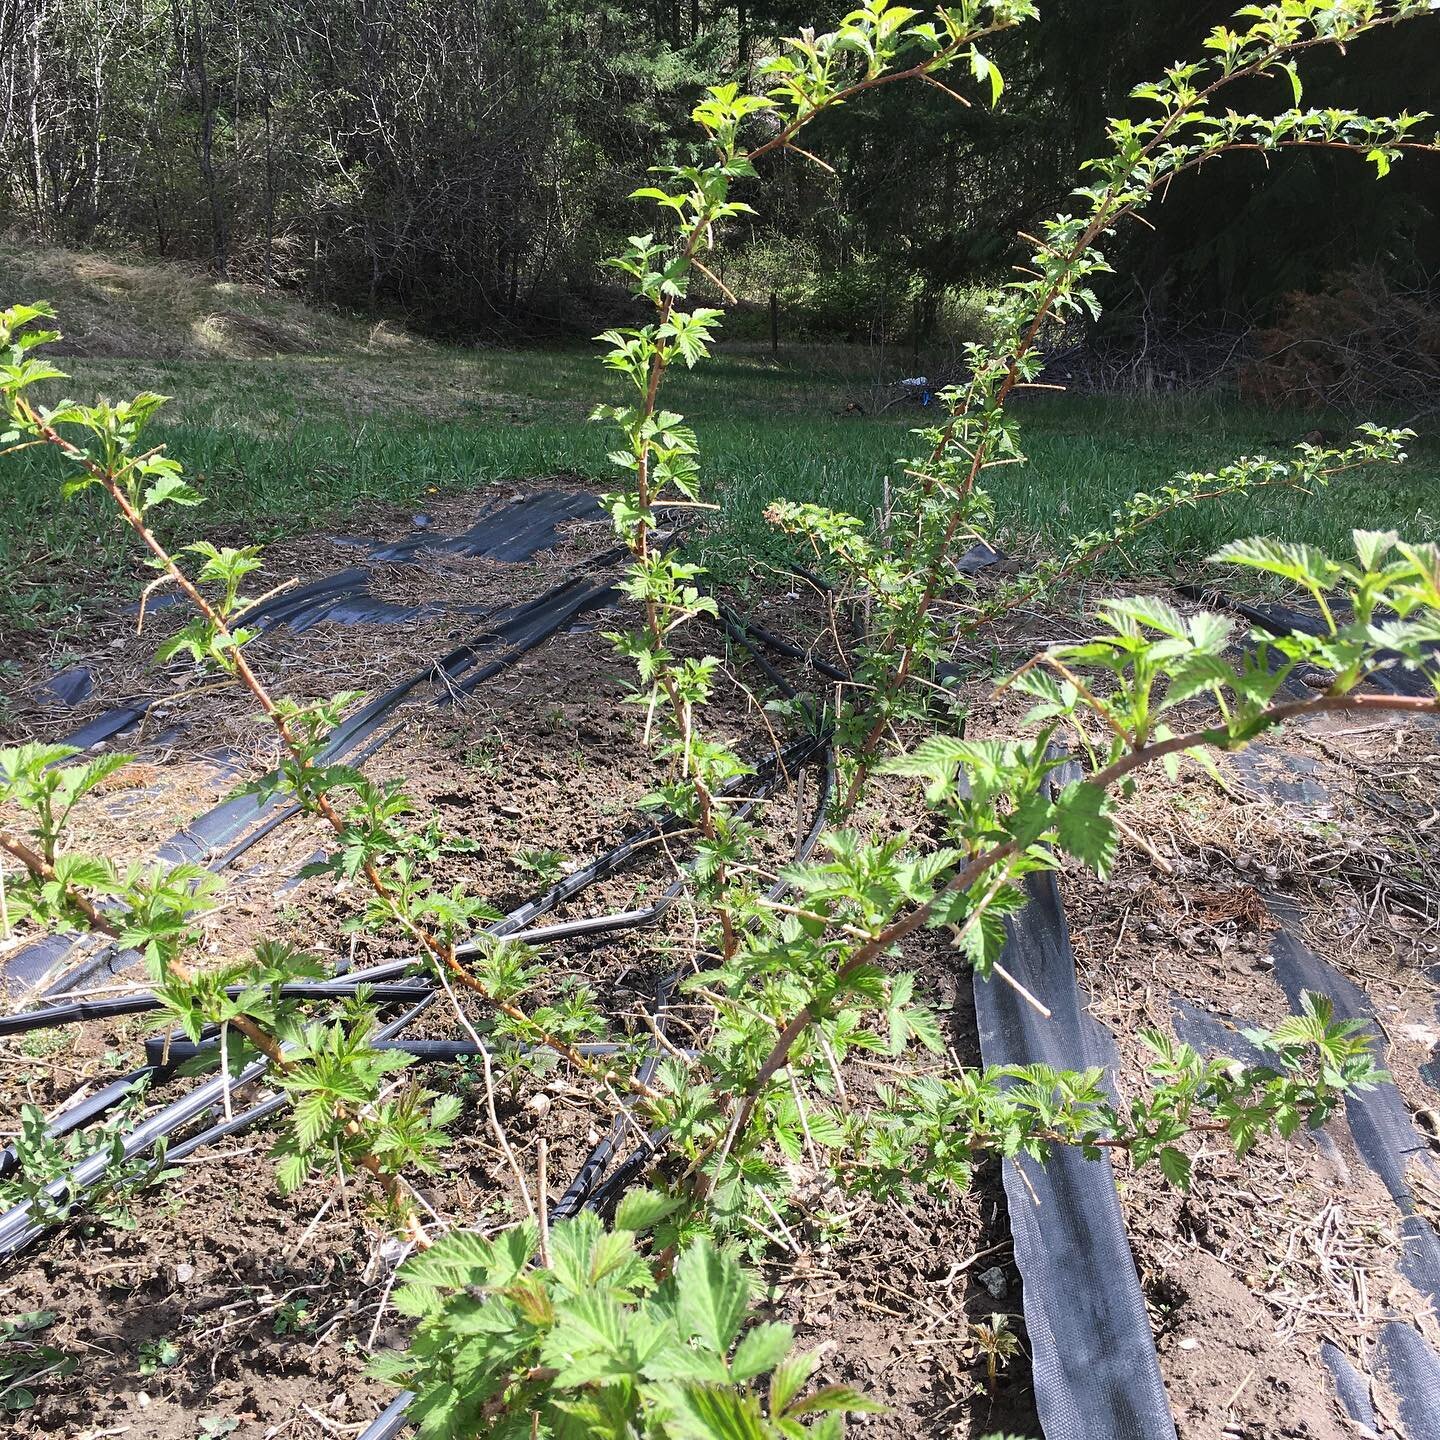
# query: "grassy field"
x,y
282,443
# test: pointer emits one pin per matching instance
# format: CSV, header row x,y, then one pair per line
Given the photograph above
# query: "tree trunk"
x,y
219,231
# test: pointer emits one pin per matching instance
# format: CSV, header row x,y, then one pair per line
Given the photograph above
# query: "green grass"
x,y
281,445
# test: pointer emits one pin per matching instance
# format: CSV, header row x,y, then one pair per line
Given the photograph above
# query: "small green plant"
x,y
40,1043
547,866
294,1317
44,1159
484,755
25,1361
998,1343
575,1329
160,1353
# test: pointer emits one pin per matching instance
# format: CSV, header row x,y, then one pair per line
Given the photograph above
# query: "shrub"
x,y
1363,343
602,1332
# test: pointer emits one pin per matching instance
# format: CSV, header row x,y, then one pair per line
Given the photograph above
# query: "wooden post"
x,y
774,325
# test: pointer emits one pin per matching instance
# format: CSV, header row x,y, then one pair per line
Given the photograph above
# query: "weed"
x,y
997,1343
40,1043
546,866
24,1361
160,1353
294,1317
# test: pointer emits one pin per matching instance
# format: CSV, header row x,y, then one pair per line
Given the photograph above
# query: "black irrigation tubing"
x,y
588,1182
17,1225
341,985
517,925
374,977
743,628
593,1166
514,925
165,1050
591,1189
17,1229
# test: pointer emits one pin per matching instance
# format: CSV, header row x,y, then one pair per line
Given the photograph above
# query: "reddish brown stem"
x,y
973,870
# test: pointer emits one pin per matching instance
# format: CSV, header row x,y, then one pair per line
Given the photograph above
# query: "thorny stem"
x,y
441,952
968,874
41,868
639,542
1106,214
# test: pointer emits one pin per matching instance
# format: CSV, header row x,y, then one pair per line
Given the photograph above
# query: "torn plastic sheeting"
x,y
578,601
69,687
1412,1371
30,964
104,727
1282,776
1380,1123
511,532
1096,1374
1352,1388
518,630
978,557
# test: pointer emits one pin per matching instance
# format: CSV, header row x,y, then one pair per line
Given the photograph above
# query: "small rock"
x,y
539,1104
184,1273
421,522
1189,1344
142,1400
993,1280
